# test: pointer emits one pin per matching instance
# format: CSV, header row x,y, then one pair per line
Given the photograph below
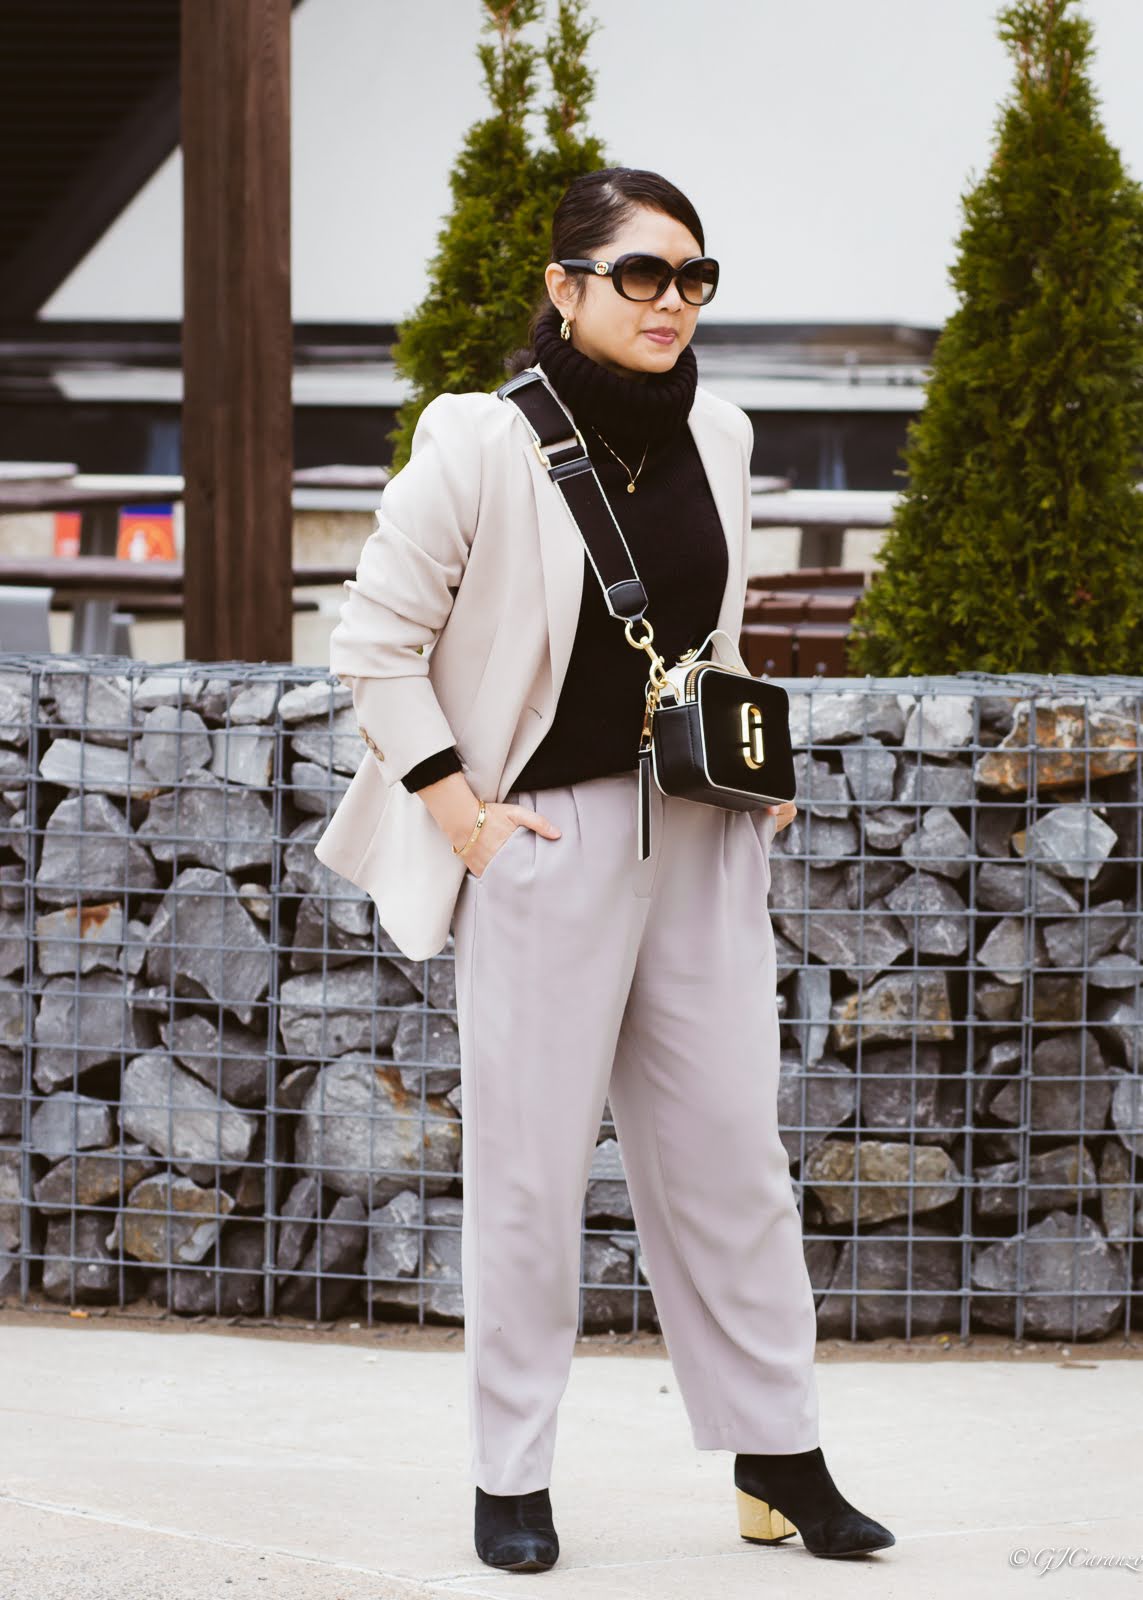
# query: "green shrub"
x,y
487,273
1018,541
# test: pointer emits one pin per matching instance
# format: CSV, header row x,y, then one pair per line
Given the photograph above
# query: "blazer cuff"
x,y
432,769
401,721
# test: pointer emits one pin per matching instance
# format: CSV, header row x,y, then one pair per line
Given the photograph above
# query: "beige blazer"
x,y
478,663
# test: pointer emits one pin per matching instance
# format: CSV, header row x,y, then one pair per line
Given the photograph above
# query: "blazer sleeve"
x,y
403,591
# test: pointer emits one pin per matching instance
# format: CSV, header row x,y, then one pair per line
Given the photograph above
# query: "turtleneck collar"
x,y
625,410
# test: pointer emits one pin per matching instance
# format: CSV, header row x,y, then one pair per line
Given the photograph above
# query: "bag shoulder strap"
x,y
562,451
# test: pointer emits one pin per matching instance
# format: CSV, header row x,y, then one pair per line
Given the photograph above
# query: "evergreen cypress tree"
x,y
493,247
1018,542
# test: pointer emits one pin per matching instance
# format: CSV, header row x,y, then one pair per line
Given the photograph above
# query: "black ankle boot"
x,y
785,1494
515,1531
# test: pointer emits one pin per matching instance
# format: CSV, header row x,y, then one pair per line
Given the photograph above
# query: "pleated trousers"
x,y
584,975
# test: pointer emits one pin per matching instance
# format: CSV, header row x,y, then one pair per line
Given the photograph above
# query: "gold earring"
x,y
565,329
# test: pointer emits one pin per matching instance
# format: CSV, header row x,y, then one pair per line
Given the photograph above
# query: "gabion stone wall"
x,y
224,1091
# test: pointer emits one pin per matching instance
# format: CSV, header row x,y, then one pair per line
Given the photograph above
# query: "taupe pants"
x,y
583,974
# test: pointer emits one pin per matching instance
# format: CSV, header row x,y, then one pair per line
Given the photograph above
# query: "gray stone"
x,y
306,702
323,1014
933,917
235,1288
819,788
15,707
168,689
79,1266
826,841
427,1049
440,1282
607,1197
1127,1109
1119,1019
78,939
870,878
315,789
13,943
359,1133
869,770
939,724
169,1219
11,1084
1064,1176
820,718
80,1025
176,1115
1004,1065
933,783
813,1099
609,1279
210,824
202,940
234,1062
811,1022
94,1178
1084,938
1115,971
899,1090
1064,1066
1011,948
68,1121
887,828
1071,1278
899,1006
94,703
81,764
940,844
394,1244
325,1282
174,743
296,1227
330,742
860,942
1011,886
243,755
319,939
1069,840
254,702
878,1179
105,861
798,885
899,1281
1116,1191
11,1015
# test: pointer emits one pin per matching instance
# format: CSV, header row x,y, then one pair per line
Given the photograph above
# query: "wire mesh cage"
x,y
225,1092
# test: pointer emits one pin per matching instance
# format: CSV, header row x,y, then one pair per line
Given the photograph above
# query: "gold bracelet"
x,y
479,824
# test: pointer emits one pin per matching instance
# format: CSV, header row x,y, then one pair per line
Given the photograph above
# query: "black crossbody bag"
x,y
711,733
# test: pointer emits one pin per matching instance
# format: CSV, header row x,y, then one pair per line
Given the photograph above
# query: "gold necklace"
x,y
619,458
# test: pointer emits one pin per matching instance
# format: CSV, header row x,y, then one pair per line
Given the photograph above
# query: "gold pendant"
x,y
630,488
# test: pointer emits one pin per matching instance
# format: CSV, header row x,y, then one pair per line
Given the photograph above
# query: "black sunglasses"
x,y
642,277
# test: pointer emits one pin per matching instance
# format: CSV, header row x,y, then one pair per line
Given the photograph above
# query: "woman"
x,y
584,974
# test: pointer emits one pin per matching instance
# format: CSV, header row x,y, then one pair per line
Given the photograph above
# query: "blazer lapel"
x,y
562,548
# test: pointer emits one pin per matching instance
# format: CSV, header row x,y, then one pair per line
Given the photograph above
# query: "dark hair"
x,y
592,208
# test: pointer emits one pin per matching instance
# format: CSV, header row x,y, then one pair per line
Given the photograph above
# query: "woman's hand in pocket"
x,y
500,823
786,812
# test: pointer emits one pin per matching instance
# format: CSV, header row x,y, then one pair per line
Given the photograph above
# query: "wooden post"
x,y
237,355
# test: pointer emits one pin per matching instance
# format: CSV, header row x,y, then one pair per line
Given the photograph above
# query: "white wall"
x,y
824,143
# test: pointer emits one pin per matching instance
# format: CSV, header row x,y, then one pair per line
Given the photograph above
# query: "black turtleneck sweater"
x,y
673,530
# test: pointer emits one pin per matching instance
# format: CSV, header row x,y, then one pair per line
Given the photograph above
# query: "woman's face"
x,y
613,330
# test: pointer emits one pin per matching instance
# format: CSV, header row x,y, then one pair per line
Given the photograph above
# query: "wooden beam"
x,y
237,352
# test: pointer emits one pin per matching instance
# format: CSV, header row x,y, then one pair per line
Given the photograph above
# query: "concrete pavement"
x,y
198,1465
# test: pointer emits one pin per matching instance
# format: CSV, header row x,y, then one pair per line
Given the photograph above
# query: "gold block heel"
x,y
760,1522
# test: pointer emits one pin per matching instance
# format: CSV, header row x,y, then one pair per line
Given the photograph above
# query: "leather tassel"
x,y
644,821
